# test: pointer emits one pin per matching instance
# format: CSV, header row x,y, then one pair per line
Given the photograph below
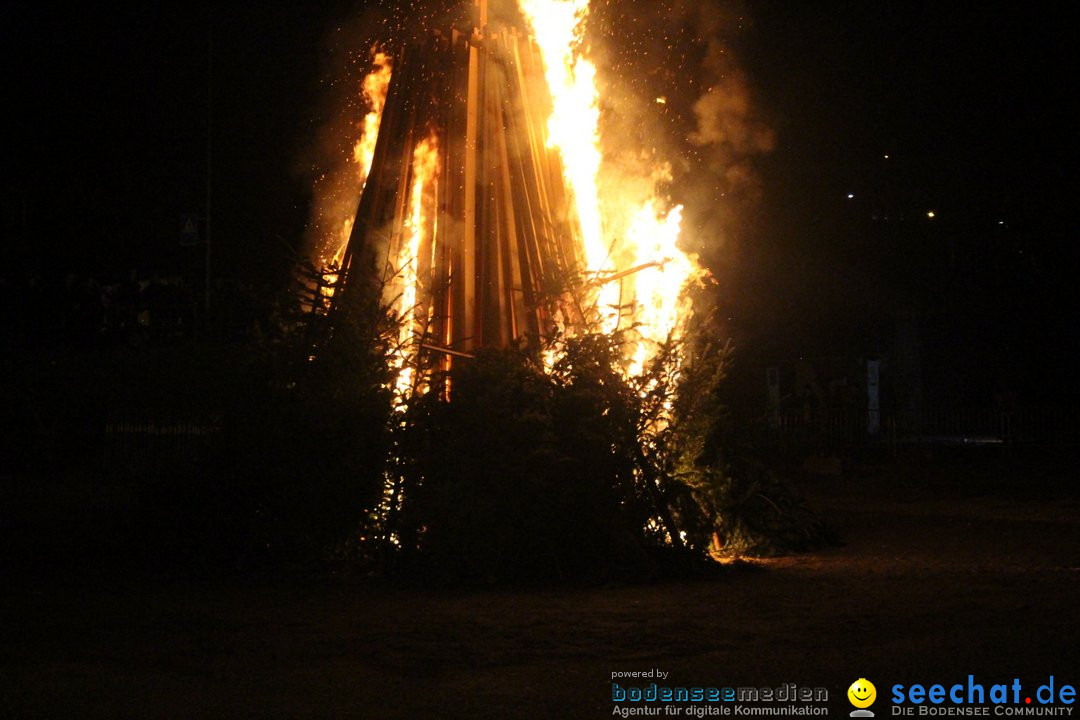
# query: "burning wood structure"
x,y
465,216
483,222
479,216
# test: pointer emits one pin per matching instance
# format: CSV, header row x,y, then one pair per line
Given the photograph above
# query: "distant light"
x,y
886,157
851,196
931,215
1001,222
661,100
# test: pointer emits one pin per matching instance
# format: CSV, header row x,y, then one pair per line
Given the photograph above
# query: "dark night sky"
x,y
970,106
111,115
107,116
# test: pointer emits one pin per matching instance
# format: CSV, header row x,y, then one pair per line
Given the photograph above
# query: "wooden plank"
x,y
467,338
512,287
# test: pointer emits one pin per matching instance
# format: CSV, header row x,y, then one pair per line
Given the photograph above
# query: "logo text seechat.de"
x,y
974,698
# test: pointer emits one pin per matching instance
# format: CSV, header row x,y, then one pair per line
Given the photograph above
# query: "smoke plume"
x,y
680,110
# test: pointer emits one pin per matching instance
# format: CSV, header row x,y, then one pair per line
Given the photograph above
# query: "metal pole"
x,y
209,156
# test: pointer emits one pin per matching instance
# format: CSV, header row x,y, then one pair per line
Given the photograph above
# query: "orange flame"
x,y
375,87
574,126
337,215
655,268
419,228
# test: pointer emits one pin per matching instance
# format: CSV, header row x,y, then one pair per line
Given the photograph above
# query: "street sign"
x,y
772,377
873,396
189,229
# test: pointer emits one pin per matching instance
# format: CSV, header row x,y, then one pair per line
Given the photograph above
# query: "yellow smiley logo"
x,y
862,693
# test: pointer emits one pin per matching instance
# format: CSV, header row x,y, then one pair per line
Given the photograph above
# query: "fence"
x,y
141,442
147,443
831,430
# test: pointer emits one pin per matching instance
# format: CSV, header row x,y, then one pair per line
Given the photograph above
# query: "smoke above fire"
x,y
676,98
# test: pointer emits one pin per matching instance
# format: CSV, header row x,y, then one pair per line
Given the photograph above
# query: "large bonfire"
x,y
497,218
635,273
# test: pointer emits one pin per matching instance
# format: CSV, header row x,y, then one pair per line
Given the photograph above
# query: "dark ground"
x,y
947,570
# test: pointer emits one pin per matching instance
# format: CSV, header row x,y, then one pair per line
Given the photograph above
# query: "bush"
x,y
307,453
520,477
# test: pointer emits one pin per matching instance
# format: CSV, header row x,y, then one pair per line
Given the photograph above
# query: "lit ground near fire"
x,y
934,582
